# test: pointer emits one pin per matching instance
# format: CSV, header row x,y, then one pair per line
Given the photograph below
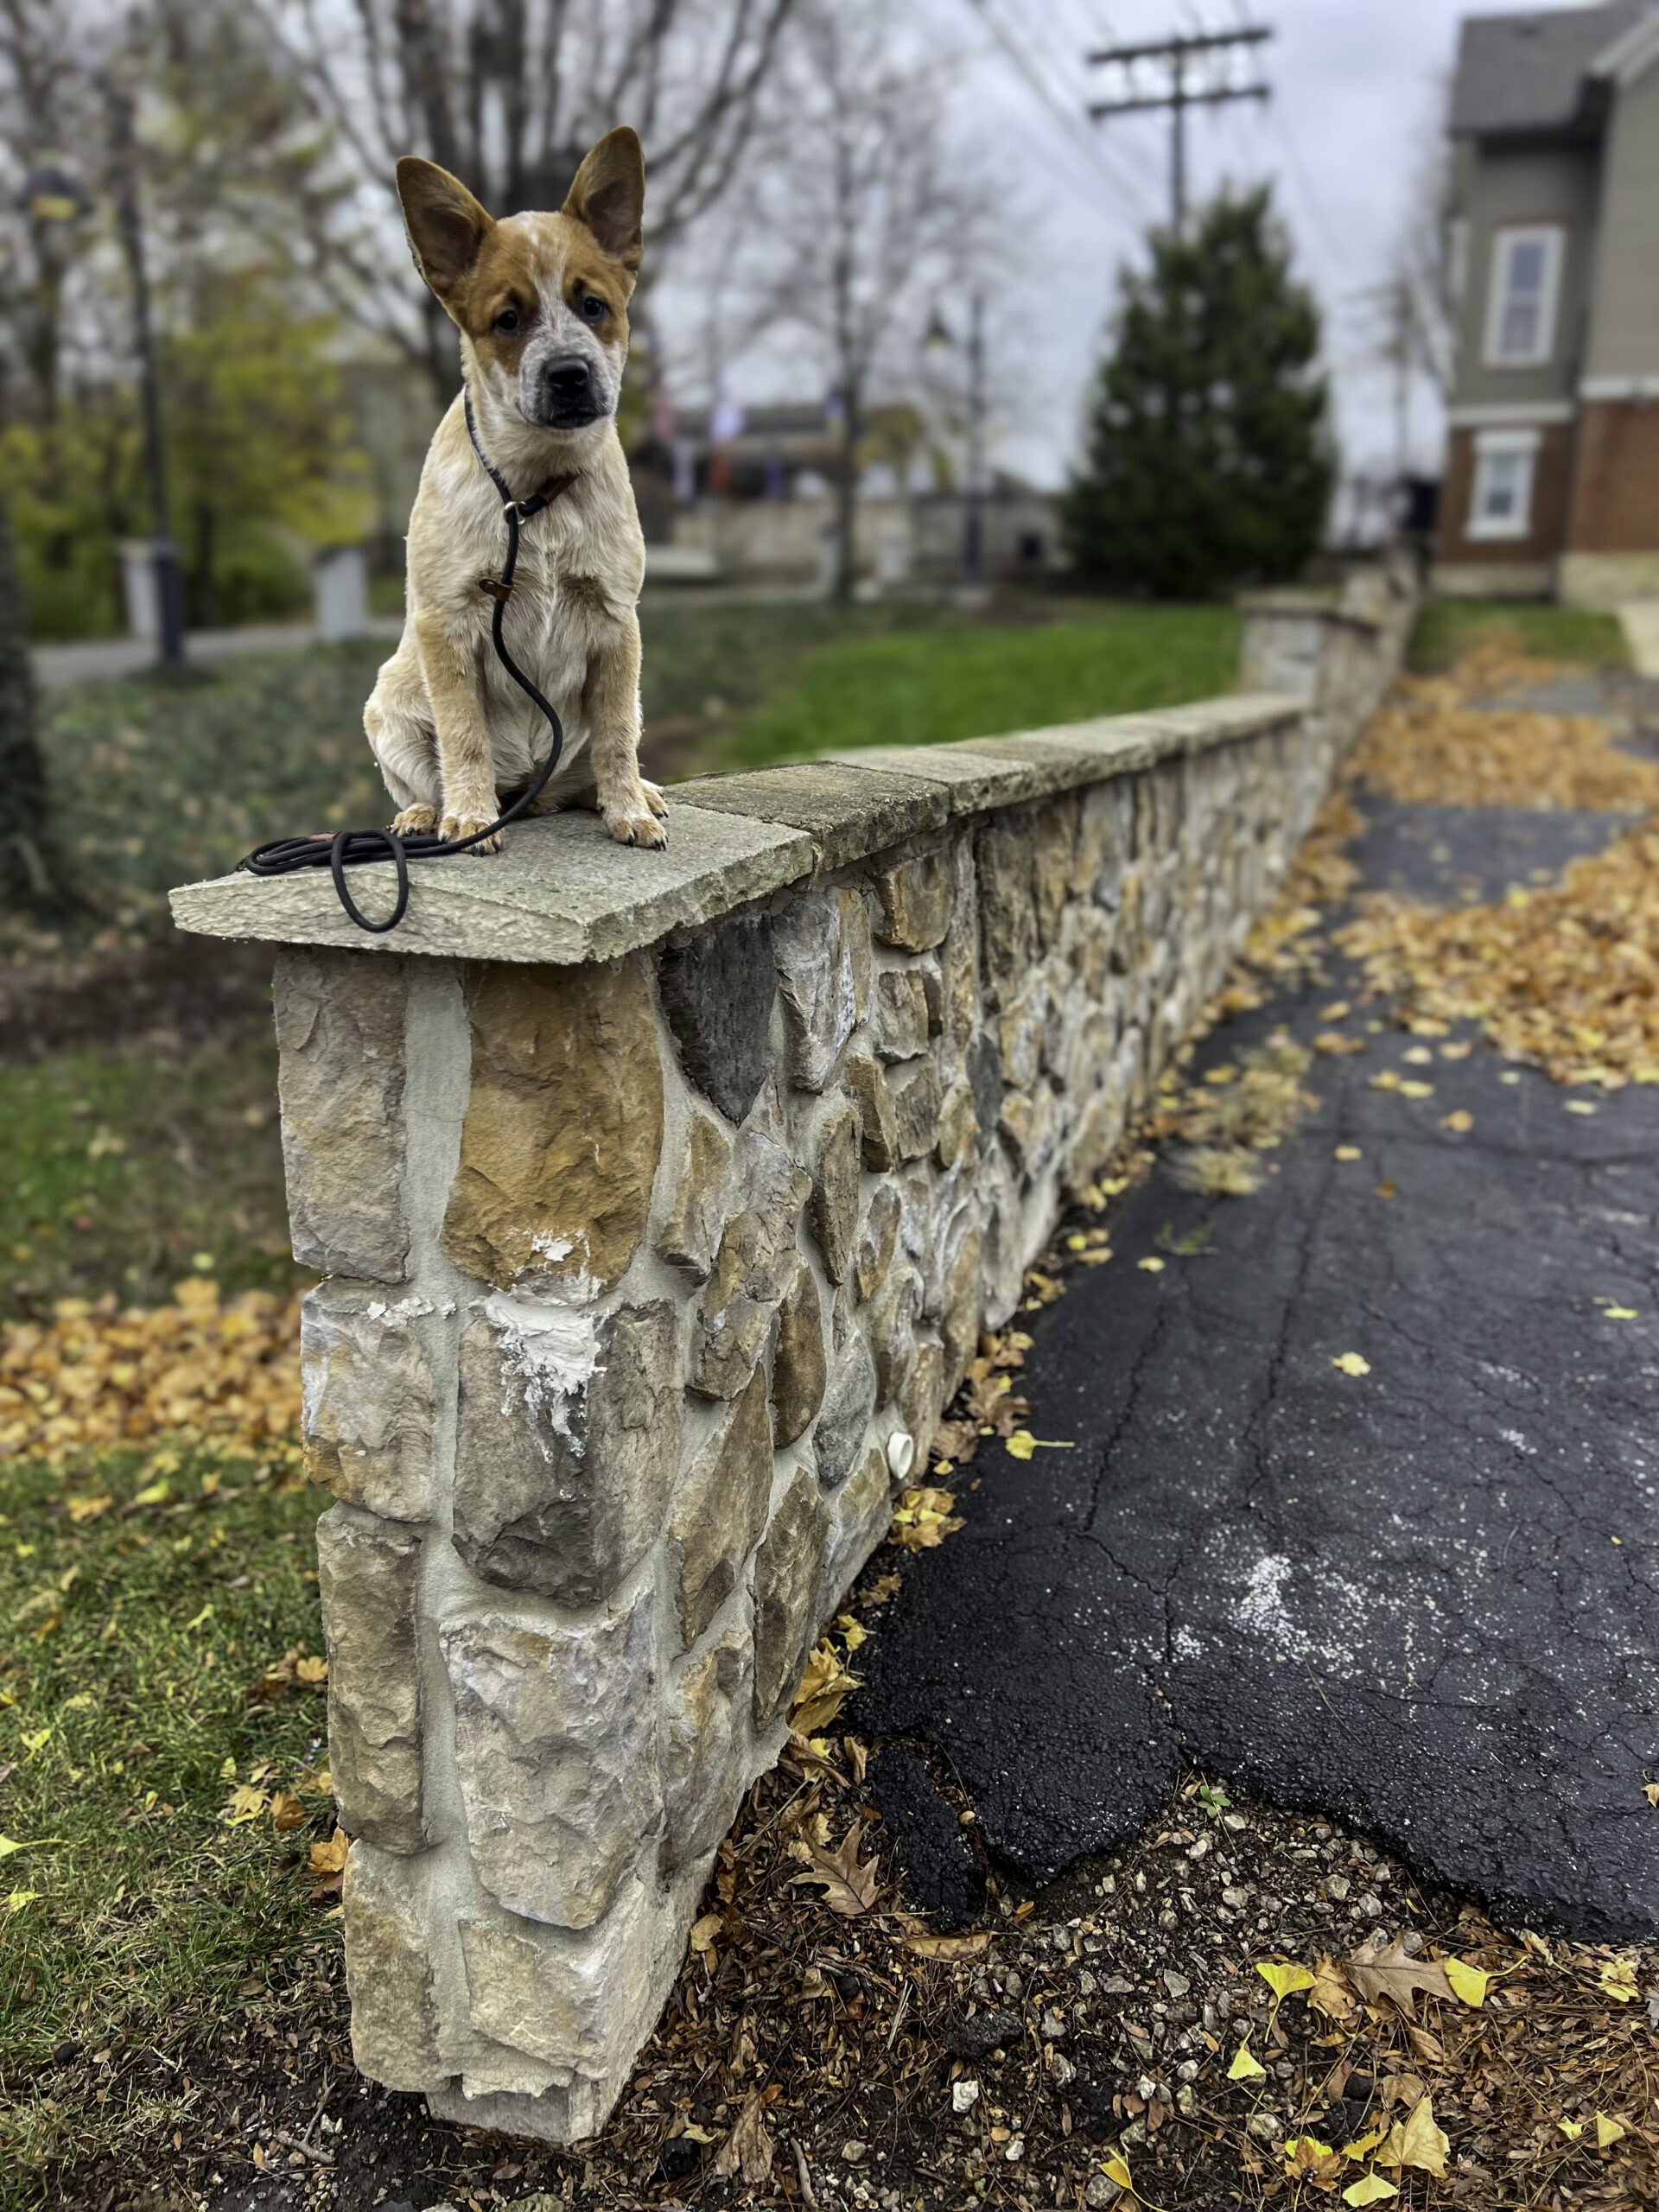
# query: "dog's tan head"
x,y
541,301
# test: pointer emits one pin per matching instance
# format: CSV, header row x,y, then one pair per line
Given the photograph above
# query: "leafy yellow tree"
x,y
261,456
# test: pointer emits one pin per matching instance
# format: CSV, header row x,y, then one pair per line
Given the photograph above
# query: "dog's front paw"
x,y
457,828
654,799
414,821
632,823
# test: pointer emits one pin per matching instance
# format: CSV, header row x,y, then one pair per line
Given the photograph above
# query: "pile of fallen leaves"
x,y
95,1374
1431,744
1566,976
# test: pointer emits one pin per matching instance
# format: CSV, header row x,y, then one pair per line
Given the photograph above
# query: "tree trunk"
x,y
31,875
847,495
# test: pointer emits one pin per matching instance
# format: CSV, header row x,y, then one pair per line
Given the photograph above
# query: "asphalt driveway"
x,y
1423,1599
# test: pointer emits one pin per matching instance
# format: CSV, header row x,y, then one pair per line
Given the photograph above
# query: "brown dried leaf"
x,y
748,2148
1376,1974
849,1888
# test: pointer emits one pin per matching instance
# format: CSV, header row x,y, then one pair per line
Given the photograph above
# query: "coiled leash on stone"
x,y
346,848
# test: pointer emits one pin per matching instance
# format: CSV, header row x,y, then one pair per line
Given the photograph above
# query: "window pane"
x,y
1519,336
1526,267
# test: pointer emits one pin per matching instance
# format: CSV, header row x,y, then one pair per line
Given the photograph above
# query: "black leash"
x,y
346,848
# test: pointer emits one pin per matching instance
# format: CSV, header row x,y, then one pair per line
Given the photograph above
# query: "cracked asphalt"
x,y
1424,1599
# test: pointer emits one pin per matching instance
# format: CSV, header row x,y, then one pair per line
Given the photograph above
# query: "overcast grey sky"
x,y
1357,87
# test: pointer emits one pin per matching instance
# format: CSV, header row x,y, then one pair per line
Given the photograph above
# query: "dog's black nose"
x,y
568,378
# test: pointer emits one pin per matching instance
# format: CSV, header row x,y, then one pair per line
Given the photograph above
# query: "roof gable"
x,y
1632,55
1519,74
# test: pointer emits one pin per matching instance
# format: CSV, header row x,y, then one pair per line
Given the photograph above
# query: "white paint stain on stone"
x,y
407,1309
550,1346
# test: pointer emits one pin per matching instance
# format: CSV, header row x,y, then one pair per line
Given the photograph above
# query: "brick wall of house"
x,y
1615,504
1550,495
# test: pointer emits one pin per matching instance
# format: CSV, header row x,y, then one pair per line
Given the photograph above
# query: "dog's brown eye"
x,y
593,308
508,319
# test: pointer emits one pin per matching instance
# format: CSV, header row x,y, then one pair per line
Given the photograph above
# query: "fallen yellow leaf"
x,y
1150,1266
1469,1982
1650,1791
1617,1980
1348,1151
1571,2128
950,1946
1459,1121
1351,1363
705,1931
1608,2131
1369,2189
1283,1979
1117,2169
1244,2068
16,1899
1618,1314
1424,2145
1416,1090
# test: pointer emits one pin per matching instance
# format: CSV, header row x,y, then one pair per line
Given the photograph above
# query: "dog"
x,y
541,302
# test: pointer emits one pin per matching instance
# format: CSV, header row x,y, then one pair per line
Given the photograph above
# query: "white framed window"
x,y
1500,504
1521,305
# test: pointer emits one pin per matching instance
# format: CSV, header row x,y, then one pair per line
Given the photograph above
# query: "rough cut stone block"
x,y
878,1241
849,813
340,1026
821,943
1054,845
917,1100
848,1403
568,1443
916,899
961,1309
388,1973
798,1370
717,992
755,1265
722,1509
788,1570
985,1074
563,1127
921,1397
1019,1035
902,1023
878,1125
555,1747
958,1124
371,1404
835,1190
1007,917
860,1514
573,2004
697,1213
704,1774
366,1573
1033,1125
891,1321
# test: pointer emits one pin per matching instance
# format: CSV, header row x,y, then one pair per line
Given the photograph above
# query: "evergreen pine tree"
x,y
1207,463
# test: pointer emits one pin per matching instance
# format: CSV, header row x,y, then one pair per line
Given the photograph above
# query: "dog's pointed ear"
x,y
609,195
446,225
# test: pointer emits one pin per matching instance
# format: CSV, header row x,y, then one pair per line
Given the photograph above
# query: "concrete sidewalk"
x,y
1424,1597
93,659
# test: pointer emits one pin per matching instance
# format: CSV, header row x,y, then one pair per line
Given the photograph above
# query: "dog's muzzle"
x,y
568,395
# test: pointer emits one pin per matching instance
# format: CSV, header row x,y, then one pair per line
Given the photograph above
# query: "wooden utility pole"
x,y
1179,87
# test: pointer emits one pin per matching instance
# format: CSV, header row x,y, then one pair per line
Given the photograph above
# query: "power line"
x,y
1122,181
1177,88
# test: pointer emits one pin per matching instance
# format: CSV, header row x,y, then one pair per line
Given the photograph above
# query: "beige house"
x,y
1552,477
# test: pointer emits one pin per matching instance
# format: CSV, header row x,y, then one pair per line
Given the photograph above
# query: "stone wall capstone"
x,y
660,1200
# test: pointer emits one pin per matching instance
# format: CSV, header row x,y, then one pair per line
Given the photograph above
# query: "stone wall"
x,y
659,1201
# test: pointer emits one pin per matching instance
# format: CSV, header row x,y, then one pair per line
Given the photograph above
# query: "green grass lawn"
x,y
130,1914
123,1170
973,680
1447,627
